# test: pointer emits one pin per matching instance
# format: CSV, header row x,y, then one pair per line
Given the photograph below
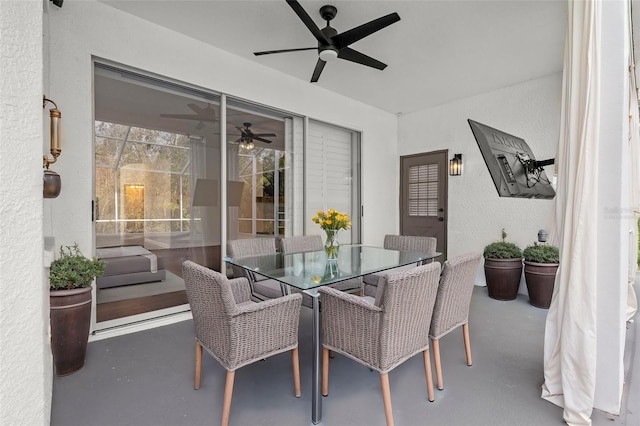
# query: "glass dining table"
x,y
310,270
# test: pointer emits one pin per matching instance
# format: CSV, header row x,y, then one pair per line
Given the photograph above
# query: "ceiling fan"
x,y
247,137
201,115
332,45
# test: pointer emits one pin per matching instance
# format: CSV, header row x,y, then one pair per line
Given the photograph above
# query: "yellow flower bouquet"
x,y
331,222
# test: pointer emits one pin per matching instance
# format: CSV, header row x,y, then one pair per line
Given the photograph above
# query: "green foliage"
x,y
73,270
502,250
541,254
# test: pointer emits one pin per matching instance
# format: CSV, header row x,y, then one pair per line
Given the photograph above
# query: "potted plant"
x,y
502,269
70,278
540,266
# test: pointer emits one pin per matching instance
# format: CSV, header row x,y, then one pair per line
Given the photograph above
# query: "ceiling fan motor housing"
x,y
328,12
331,48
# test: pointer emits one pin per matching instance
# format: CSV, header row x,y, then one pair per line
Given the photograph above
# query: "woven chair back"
x,y
212,306
410,243
301,244
454,294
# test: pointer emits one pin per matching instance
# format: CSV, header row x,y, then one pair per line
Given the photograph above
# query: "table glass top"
x,y
312,269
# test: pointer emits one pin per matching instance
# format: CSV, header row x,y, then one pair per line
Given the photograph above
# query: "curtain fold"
x,y
570,333
634,196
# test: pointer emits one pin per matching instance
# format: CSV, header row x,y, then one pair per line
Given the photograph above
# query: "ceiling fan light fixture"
x,y
328,55
333,45
249,146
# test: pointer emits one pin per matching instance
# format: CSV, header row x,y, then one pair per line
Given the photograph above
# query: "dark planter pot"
x,y
503,277
540,278
70,314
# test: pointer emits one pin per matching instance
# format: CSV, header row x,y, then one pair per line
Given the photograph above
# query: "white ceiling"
x,y
439,51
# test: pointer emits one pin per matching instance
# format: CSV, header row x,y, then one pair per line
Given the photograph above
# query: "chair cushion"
x,y
371,279
382,283
268,288
369,299
350,286
370,290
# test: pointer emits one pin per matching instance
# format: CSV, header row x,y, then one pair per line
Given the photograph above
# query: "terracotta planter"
x,y
503,277
70,314
540,278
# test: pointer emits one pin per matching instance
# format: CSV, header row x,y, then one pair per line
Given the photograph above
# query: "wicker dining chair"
x,y
262,288
399,242
235,330
452,305
306,243
384,334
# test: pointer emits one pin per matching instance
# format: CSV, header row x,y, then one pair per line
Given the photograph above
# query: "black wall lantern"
x,y
455,165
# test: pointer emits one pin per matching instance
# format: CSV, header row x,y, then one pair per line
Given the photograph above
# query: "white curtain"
x,y
570,334
634,196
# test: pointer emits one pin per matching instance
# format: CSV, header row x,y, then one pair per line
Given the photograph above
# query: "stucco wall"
x,y
477,214
25,366
85,29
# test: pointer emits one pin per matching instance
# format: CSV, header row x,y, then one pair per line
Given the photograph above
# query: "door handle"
x,y
441,219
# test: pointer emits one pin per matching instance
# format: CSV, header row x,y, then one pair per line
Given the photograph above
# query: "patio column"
x,y
26,368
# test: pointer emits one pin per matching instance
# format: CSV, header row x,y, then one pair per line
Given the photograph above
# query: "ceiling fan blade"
x,y
318,70
183,116
306,19
269,52
351,36
268,135
352,55
195,108
256,138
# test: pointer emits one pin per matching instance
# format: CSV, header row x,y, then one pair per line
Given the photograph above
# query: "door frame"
x,y
444,187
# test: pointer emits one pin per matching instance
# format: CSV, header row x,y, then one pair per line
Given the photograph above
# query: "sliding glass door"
x,y
260,158
157,186
166,153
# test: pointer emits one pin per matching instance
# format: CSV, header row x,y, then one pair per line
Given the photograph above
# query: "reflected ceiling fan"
x,y
247,137
202,115
332,45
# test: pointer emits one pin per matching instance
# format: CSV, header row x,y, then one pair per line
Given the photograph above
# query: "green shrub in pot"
x,y
542,254
73,270
502,268
70,296
502,250
540,266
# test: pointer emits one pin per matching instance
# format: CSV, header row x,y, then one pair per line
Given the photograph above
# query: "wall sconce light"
x,y
52,183
455,165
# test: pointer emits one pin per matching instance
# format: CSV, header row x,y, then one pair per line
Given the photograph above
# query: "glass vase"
x,y
332,246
